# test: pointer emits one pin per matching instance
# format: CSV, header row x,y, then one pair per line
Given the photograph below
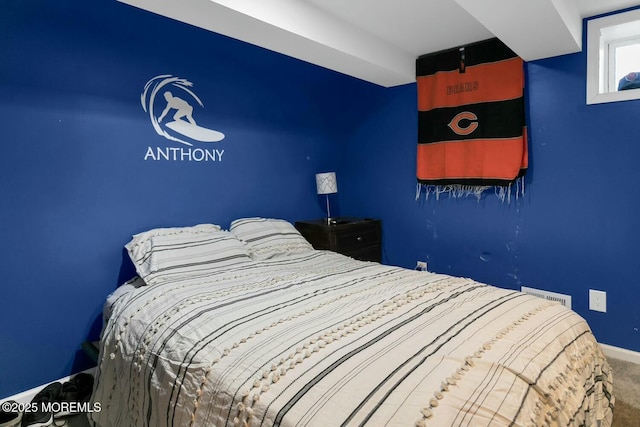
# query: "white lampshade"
x,y
326,183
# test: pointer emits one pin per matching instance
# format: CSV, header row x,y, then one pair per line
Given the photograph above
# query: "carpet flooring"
x,y
626,389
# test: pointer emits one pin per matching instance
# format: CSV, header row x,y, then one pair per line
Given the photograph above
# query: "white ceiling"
x,y
379,40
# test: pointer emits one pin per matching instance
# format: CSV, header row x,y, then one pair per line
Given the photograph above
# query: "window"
x,y
613,58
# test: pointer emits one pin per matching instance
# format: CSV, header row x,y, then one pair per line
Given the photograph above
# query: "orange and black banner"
x,y
471,120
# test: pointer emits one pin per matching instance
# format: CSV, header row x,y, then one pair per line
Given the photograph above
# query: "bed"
x,y
253,327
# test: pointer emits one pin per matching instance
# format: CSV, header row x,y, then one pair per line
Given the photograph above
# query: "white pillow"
x,y
268,237
164,254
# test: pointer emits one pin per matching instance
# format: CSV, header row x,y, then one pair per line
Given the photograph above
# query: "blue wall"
x,y
575,229
75,185
73,179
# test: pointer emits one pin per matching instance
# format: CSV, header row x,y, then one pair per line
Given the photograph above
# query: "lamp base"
x,y
328,211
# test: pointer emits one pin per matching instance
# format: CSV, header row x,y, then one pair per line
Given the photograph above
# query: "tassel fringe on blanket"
x,y
458,191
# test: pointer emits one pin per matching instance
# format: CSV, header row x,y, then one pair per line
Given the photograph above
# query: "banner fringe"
x,y
458,191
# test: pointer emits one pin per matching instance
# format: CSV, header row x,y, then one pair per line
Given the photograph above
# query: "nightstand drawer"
x,y
359,238
369,253
351,240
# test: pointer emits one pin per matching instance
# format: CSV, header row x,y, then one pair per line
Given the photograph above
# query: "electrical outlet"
x,y
421,266
597,301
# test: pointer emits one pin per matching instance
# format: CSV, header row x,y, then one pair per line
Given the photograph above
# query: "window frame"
x,y
598,65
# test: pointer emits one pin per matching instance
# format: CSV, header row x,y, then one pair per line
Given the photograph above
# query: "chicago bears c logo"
x,y
458,128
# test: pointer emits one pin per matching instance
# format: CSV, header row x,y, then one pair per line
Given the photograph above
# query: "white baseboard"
x,y
621,353
26,396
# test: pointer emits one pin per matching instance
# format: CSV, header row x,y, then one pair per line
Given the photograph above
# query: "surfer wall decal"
x,y
183,122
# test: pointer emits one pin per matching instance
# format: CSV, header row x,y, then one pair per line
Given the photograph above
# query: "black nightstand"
x,y
359,238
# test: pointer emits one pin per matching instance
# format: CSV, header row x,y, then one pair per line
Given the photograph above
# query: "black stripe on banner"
x,y
472,181
487,51
502,119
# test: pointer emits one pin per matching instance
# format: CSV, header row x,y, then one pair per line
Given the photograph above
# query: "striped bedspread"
x,y
319,339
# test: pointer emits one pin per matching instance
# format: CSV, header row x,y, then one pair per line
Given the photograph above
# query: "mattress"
x,y
319,339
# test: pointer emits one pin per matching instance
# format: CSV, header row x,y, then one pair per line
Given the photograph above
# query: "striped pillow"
x,y
266,237
164,254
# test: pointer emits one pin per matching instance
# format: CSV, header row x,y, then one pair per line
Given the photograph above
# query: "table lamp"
x,y
326,184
